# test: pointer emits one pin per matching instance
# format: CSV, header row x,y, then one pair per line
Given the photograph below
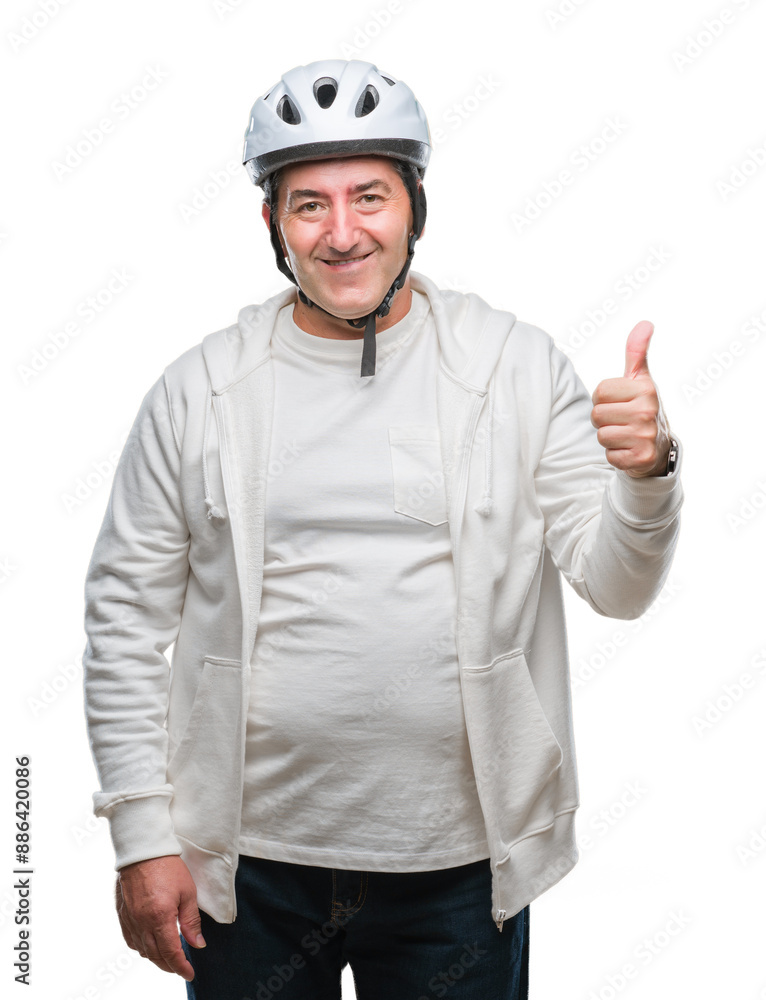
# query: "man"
x,y
364,751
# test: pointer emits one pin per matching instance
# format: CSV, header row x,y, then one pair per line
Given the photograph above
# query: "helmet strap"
x,y
419,209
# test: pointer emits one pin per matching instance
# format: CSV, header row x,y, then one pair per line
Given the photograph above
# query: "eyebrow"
x,y
356,189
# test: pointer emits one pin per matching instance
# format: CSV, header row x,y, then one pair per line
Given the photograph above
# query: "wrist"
x,y
666,463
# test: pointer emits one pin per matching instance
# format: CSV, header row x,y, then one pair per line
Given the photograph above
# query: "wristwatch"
x,y
673,455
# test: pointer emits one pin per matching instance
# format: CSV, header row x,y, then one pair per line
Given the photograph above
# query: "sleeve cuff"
x,y
650,498
141,828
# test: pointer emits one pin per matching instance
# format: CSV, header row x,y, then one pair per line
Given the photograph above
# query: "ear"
x,y
423,233
266,213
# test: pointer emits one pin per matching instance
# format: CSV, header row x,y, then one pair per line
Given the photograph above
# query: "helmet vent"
x,y
368,101
288,112
325,91
389,82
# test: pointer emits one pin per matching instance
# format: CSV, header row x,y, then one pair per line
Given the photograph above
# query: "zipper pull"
x,y
499,921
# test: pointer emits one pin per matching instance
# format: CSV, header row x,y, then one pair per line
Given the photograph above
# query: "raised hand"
x,y
628,413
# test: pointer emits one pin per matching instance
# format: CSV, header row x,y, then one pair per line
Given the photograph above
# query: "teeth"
x,y
335,263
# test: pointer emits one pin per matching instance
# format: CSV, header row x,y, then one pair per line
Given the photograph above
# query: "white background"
x,y
669,800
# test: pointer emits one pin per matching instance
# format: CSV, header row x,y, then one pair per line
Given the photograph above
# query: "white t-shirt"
x,y
357,754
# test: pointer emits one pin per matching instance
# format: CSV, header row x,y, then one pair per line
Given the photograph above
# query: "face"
x,y
344,225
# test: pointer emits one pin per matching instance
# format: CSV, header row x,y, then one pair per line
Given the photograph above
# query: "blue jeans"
x,y
406,936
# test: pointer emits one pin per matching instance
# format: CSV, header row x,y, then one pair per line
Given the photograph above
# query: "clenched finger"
x,y
154,952
169,948
612,413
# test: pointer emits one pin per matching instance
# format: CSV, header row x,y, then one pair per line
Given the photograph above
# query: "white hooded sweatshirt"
x,y
179,559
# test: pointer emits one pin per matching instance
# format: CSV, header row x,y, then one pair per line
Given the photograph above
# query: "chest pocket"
x,y
418,477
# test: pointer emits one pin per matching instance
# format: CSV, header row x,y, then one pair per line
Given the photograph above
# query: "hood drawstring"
x,y
484,506
212,510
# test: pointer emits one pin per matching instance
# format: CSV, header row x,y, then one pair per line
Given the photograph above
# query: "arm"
x,y
612,534
134,592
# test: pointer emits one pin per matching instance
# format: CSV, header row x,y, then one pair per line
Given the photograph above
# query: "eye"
x,y
308,205
373,196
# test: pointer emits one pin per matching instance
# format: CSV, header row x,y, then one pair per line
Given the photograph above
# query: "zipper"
x,y
460,503
238,549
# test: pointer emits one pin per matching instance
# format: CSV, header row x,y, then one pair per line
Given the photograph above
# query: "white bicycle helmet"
x,y
336,107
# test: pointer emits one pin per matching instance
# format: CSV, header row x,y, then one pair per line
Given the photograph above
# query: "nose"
x,y
342,229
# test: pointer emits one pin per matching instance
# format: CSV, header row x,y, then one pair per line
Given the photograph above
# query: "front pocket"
x,y
205,769
418,477
515,752
216,702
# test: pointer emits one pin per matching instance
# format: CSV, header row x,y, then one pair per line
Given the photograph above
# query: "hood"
x,y
471,338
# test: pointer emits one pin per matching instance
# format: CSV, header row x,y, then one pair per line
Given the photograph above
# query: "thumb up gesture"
x,y
628,413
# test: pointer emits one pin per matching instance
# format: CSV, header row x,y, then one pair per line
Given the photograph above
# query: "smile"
x,y
346,263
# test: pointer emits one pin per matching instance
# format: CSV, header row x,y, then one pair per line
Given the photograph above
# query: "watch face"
x,y
672,457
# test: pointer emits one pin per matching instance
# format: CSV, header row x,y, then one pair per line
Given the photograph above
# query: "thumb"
x,y
637,348
190,923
